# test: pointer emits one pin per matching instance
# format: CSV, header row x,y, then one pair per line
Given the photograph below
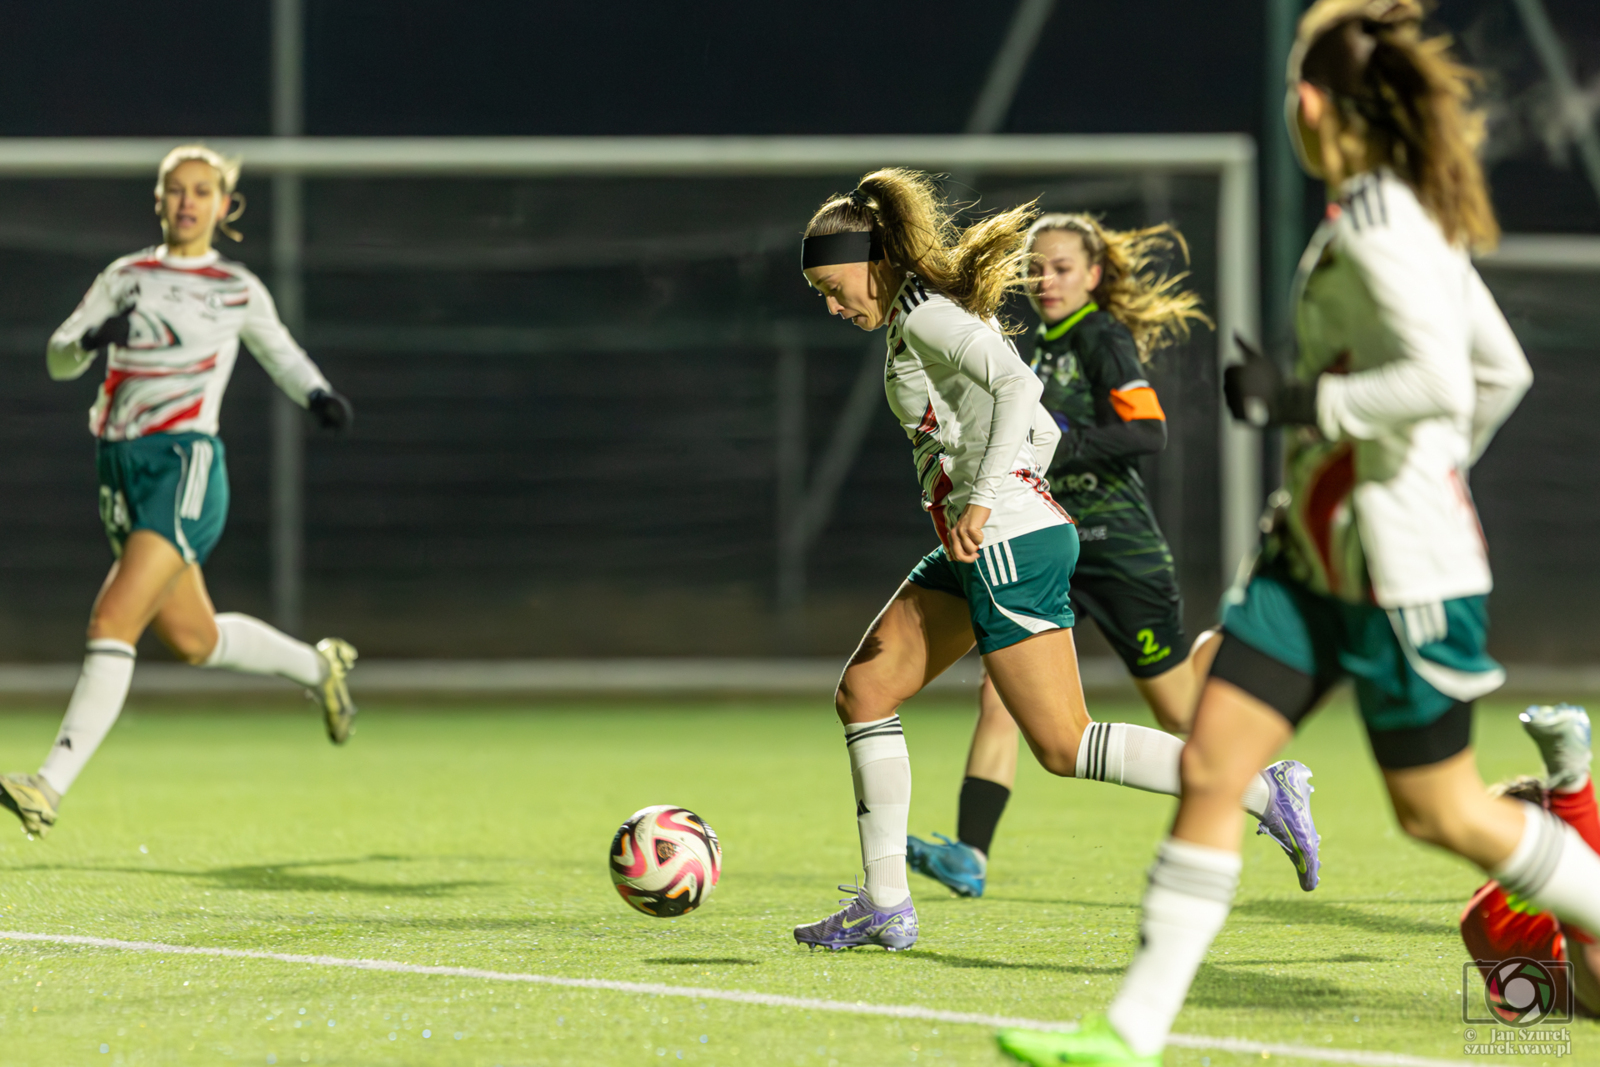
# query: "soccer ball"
x,y
665,860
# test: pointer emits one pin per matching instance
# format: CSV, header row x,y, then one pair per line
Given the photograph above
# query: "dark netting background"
x,y
568,430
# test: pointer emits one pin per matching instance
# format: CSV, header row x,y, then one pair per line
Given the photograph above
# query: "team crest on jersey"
x,y
1064,370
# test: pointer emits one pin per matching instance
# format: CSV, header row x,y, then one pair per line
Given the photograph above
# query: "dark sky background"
x,y
95,67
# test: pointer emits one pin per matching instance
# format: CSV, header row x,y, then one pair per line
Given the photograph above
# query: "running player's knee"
x,y
1058,759
1441,828
862,698
193,649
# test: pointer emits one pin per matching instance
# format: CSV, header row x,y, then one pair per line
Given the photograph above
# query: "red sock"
x,y
1580,812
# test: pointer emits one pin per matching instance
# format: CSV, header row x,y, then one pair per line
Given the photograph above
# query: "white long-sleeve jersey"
x,y
970,406
189,315
1417,369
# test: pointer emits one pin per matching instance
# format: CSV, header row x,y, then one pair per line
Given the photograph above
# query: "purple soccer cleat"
x,y
1288,820
861,923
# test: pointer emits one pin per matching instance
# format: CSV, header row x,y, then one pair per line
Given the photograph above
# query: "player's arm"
x,y
287,363
1500,370
1129,420
91,327
1429,379
945,332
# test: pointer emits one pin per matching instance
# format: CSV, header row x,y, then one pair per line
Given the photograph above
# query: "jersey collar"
x,y
1056,332
164,254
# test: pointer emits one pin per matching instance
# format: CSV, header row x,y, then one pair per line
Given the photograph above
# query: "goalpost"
x,y
1229,158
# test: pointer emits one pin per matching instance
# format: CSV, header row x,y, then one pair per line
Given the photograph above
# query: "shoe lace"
x,y
854,890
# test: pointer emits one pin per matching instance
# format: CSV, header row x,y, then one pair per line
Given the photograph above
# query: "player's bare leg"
x,y
189,625
1038,681
1172,696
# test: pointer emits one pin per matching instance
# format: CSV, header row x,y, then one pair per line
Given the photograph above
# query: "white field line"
x,y
771,1000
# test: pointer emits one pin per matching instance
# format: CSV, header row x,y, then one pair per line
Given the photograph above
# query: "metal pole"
x,y
1237,312
789,414
1010,64
288,238
1156,192
1285,186
999,90
1569,98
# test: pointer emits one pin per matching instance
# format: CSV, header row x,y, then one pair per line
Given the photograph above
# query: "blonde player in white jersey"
x,y
170,320
889,255
1375,568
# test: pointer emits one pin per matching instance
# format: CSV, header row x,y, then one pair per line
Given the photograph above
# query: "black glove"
x,y
1258,393
332,411
113,331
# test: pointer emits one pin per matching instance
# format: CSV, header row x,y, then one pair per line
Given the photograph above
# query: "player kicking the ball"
x,y
1375,566
1105,312
888,255
170,319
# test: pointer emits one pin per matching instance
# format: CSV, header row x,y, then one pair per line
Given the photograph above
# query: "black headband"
x,y
855,246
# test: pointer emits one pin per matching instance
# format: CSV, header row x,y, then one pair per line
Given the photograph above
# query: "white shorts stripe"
x,y
988,558
1011,560
194,490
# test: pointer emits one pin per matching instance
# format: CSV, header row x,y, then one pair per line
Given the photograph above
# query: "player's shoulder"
x,y
144,259
1101,327
1101,336
238,271
1379,209
925,311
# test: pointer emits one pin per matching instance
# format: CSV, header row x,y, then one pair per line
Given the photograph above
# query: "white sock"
x,y
96,702
1257,796
880,768
250,646
1552,867
1191,890
1141,758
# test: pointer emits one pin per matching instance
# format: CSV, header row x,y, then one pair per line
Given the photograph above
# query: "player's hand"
x,y
113,331
1258,393
332,411
966,537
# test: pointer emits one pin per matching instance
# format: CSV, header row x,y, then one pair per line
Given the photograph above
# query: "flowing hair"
x,y
1151,304
1399,99
975,266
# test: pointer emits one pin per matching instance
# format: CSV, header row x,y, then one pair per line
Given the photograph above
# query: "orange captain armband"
x,y
1137,400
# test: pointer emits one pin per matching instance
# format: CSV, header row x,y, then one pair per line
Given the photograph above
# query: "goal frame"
x,y
1231,158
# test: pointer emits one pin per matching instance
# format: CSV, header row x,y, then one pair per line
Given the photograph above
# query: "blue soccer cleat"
x,y
958,867
1094,1044
1563,736
1288,818
862,923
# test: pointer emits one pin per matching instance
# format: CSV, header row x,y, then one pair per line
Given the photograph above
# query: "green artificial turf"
x,y
476,836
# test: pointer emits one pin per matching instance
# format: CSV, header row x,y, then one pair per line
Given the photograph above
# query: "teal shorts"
x,y
175,484
1410,666
1018,588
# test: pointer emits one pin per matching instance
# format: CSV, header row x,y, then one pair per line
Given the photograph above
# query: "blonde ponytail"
x,y
975,266
1398,99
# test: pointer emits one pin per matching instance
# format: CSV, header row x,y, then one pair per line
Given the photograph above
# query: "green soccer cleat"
x,y
333,693
30,798
1094,1043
